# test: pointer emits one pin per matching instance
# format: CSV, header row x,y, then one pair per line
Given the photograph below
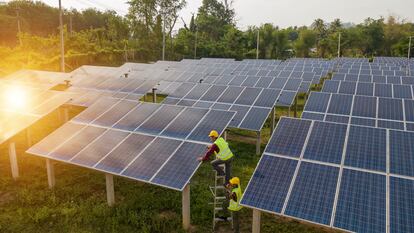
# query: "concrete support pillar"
x,y
110,192
13,160
186,207
225,135
258,142
154,95
256,221
50,173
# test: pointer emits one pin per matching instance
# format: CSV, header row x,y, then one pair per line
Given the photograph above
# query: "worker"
x,y
234,196
223,155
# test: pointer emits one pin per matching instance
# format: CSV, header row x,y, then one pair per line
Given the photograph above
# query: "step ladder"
x,y
219,198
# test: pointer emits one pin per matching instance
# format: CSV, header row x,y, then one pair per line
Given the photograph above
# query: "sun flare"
x,y
15,98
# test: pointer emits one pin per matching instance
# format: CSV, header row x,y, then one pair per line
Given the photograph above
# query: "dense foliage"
x,y
95,37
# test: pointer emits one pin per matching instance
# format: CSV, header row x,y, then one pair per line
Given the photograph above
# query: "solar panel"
x,y
220,106
124,153
391,109
361,202
366,148
95,110
340,104
347,88
366,89
409,110
230,95
286,98
313,193
213,93
326,142
292,84
269,185
278,83
150,160
197,91
160,119
267,98
186,103
313,116
401,205
180,167
383,90
401,149
337,119
365,106
250,81
363,121
255,119
330,86
317,102
390,125
241,112
215,119
136,117
248,96
115,113
203,104
264,82
402,92
182,126
289,137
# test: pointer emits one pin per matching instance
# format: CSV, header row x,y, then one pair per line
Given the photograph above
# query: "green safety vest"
x,y
235,206
225,152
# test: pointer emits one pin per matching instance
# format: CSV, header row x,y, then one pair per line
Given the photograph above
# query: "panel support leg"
x,y
13,160
289,112
225,135
154,95
65,115
110,192
296,107
186,207
28,137
273,120
258,143
50,167
256,221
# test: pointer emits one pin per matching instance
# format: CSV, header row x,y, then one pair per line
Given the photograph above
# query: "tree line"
x,y
29,35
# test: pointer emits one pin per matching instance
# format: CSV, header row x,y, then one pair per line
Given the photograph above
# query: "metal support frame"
x,y
154,95
13,160
50,167
186,207
273,120
256,221
258,142
110,192
28,137
296,107
225,135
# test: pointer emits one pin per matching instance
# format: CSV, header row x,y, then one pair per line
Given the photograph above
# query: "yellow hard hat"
x,y
213,133
235,180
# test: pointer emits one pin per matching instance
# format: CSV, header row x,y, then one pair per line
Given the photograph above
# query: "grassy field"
x,y
78,202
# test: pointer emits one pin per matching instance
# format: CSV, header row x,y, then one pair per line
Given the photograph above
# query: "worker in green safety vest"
x,y
223,155
234,197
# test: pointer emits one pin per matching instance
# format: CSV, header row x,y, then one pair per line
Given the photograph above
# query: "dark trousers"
x,y
236,224
227,164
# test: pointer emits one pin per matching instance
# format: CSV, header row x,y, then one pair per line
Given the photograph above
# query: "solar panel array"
x,y
349,177
153,143
21,106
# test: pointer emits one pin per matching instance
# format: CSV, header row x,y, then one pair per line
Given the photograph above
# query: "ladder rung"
x,y
220,198
222,220
218,208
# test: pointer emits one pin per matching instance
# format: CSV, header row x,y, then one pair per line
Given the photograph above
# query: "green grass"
x,y
78,202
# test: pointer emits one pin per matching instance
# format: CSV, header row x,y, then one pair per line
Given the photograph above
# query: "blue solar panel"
x,y
71,147
238,80
220,106
202,104
278,83
96,151
241,112
338,76
119,158
363,121
151,159
292,84
313,193
197,91
337,119
95,110
250,81
394,79
365,78
230,95
390,125
383,90
160,119
401,205
289,137
409,126
264,82
317,102
270,184
361,203
379,79
402,153
347,88
390,109
340,104
402,92
330,86
136,117
215,119
286,98
267,98
115,113
171,101
365,89
365,106
186,103
352,77
213,93
326,142
255,119
248,96
313,116
180,167
366,148
409,110
182,126
182,90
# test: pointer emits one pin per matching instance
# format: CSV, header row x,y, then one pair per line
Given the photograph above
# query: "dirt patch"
x,y
167,215
6,197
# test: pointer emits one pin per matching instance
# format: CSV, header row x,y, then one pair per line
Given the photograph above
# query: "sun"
x,y
15,98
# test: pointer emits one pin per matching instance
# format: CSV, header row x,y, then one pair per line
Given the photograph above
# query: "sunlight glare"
x,y
15,98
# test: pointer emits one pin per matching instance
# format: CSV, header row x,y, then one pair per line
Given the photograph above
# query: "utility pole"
x,y
70,23
19,29
62,46
163,37
195,42
339,46
409,48
258,41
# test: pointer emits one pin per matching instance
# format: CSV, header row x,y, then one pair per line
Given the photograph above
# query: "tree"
x,y
306,41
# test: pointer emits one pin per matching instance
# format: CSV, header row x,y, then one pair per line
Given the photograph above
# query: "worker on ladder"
x,y
234,196
223,155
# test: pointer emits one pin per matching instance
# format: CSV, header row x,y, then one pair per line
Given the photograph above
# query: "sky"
x,y
283,13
